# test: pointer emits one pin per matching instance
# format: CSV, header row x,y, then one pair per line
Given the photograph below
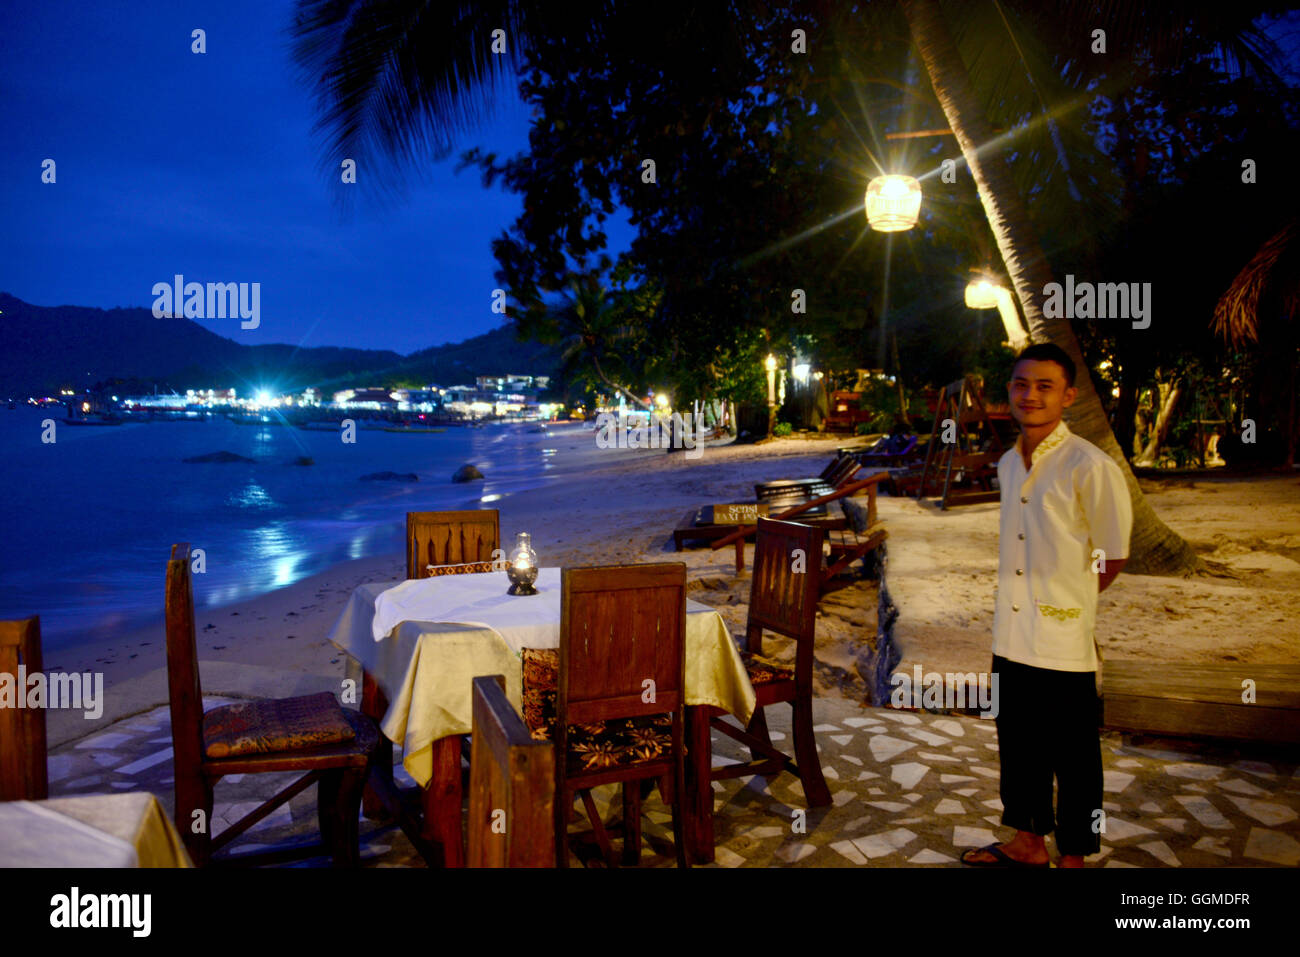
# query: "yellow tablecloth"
x,y
425,668
94,830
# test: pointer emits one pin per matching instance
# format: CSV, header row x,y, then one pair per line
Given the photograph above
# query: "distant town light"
x,y
893,203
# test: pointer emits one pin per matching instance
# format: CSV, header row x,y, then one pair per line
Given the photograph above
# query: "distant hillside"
x,y
44,349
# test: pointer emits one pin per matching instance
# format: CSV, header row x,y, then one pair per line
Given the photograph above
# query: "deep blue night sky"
x,y
206,165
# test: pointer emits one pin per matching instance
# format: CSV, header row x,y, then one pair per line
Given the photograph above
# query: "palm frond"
x,y
397,81
1236,317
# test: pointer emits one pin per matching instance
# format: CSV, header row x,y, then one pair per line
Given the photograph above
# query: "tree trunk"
x,y
1126,412
1169,396
622,390
1154,548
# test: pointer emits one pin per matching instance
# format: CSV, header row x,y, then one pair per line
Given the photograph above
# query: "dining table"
x,y
421,643
127,829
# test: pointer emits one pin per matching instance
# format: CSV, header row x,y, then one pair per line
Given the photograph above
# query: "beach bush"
x,y
782,429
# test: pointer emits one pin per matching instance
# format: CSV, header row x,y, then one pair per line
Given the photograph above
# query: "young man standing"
x,y
1065,524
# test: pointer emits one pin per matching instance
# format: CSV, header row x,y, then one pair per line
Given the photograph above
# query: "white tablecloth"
x,y
425,666
479,601
94,830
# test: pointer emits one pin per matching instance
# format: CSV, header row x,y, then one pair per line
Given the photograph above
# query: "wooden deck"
x,y
1204,701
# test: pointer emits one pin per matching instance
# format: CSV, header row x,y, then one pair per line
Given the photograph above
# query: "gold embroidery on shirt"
x,y
1060,614
1055,439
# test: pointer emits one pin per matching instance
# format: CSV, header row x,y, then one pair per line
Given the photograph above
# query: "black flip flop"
x,y
1000,859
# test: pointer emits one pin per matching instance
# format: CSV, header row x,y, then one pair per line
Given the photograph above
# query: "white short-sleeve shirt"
x,y
1055,515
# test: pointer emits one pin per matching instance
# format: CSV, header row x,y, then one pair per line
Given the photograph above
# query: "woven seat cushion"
x,y
600,744
275,724
762,670
469,568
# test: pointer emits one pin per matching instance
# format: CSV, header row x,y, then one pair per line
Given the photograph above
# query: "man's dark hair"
x,y
1049,352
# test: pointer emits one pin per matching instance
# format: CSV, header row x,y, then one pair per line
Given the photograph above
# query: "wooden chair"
x,y
23,770
338,769
619,714
783,600
450,538
511,786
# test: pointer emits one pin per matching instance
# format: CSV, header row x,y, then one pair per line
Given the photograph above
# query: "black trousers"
x,y
1047,728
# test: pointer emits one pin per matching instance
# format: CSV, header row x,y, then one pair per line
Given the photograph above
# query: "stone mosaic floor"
x,y
909,789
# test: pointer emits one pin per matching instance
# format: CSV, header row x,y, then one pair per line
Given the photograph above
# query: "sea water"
x,y
89,519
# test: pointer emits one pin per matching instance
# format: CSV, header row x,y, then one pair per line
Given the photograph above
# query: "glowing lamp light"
x,y
893,203
522,568
770,363
661,400
981,294
801,370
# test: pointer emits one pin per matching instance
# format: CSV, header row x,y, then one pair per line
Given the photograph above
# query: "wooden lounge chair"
x,y
511,786
696,525
885,459
792,514
863,538
450,538
23,767
786,493
784,601
263,737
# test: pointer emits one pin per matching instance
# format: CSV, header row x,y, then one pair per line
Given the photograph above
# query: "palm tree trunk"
x,y
1154,548
622,390
1170,394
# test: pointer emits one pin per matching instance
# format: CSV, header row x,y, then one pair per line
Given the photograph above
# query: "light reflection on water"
x,y
263,525
251,496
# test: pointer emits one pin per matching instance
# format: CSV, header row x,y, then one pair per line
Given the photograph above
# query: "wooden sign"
x,y
743,513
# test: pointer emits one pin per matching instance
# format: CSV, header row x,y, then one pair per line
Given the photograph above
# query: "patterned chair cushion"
x,y
275,724
469,568
600,744
765,670
762,670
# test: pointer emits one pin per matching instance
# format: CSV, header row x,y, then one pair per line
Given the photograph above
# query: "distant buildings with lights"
x,y
512,396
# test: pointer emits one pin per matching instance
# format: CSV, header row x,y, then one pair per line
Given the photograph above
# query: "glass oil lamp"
x,y
522,567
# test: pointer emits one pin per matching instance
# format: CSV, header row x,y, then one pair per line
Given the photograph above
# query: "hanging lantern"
x,y
893,203
981,294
